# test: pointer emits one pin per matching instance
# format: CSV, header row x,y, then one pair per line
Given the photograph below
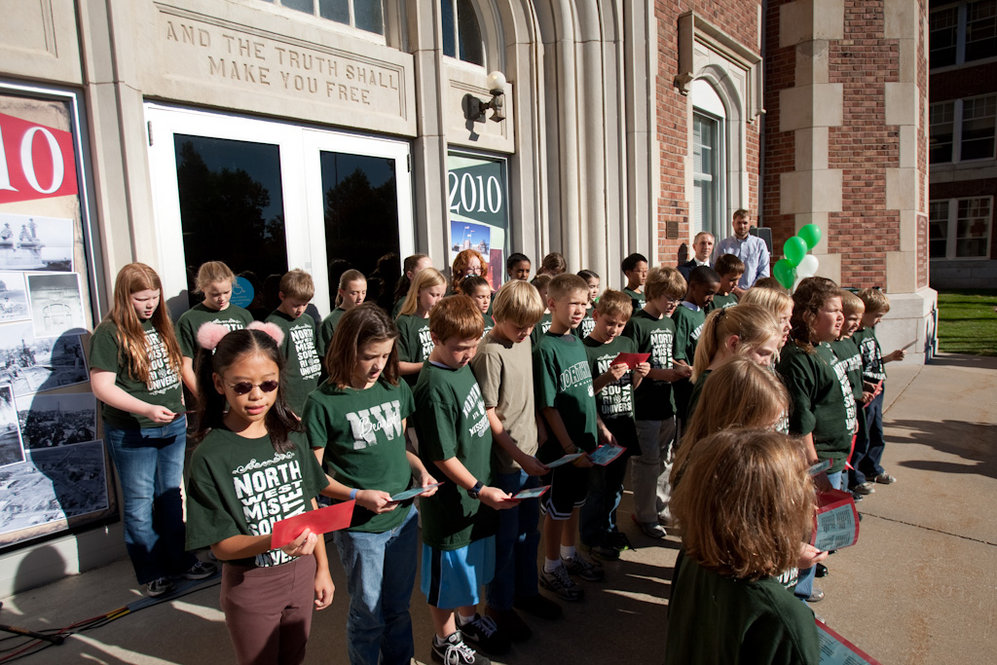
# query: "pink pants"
x,y
268,611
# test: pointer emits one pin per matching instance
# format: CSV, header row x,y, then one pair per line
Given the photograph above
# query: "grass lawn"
x,y
967,322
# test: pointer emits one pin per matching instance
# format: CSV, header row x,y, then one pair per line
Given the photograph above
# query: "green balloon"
x,y
794,250
810,234
785,272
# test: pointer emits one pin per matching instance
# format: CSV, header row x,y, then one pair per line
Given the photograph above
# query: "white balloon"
x,y
808,266
796,284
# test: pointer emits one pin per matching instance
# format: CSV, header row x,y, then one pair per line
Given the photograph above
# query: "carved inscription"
x,y
227,55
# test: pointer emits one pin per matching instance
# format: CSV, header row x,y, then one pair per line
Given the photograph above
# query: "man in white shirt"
x,y
702,245
750,249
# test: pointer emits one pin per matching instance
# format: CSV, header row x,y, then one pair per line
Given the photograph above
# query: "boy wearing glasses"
x,y
653,331
302,362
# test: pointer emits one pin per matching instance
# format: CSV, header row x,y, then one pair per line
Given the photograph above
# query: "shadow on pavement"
x,y
972,442
964,360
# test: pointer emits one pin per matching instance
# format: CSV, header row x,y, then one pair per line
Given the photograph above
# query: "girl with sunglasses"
x,y
356,422
135,369
253,468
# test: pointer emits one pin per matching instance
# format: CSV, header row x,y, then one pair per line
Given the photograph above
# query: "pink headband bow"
x,y
210,334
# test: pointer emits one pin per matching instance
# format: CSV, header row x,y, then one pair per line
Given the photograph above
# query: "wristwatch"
x,y
476,490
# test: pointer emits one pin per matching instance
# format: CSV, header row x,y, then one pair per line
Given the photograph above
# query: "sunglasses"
x,y
244,387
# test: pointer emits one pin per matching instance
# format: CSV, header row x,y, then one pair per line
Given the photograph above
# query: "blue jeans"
x,y
516,544
149,462
805,579
380,572
869,451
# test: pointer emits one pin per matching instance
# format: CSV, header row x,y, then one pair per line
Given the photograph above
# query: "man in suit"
x,y
702,245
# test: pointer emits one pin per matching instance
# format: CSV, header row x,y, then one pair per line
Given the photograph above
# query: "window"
x,y
708,159
362,14
963,33
461,31
963,129
960,228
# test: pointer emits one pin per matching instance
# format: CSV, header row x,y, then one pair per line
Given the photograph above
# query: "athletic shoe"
x,y
588,571
650,529
620,542
603,551
864,488
560,583
453,651
885,479
482,633
539,606
158,587
820,570
200,571
510,624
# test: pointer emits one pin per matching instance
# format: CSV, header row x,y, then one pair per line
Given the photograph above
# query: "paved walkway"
x,y
919,587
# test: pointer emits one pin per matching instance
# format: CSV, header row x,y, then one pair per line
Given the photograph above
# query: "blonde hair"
x,y
752,324
297,284
519,303
850,303
773,300
211,272
564,285
133,346
614,303
746,504
664,281
424,279
456,316
350,275
875,300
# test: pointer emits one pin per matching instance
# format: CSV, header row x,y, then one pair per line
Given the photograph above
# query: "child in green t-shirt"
x,y
302,363
215,280
689,318
541,282
352,292
566,399
591,278
355,423
414,343
503,366
849,368
614,385
730,268
653,331
634,267
458,554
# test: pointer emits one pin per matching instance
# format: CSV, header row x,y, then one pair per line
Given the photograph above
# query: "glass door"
x,y
265,196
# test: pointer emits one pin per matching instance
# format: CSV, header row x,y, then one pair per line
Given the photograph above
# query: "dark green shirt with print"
x,y
414,341
688,327
540,329
847,353
653,399
241,487
873,367
302,363
163,387
327,329
616,399
361,431
232,317
563,381
637,298
587,325
818,405
450,422
721,302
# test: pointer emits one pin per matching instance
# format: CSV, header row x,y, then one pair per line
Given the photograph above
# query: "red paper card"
x,y
630,359
323,520
836,524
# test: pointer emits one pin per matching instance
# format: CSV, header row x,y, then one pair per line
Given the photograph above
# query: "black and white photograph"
x,y
32,365
49,420
11,446
56,305
52,486
13,297
31,242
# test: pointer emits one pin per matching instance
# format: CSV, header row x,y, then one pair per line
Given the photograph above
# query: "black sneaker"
x,y
453,651
559,582
619,541
510,624
588,571
603,551
539,606
483,633
200,571
158,587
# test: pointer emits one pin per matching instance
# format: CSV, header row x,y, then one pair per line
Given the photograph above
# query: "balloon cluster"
x,y
797,264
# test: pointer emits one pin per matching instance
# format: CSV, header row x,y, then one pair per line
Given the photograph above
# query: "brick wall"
x,y
780,147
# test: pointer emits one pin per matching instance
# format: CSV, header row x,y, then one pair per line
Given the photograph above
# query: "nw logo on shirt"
x,y
381,418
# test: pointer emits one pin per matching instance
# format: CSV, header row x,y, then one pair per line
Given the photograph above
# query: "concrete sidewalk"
x,y
919,587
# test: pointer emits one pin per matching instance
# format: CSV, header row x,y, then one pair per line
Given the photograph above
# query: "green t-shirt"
x,y
450,421
414,342
302,363
688,327
232,317
653,399
721,302
873,367
616,399
847,353
327,329
637,298
489,322
504,371
587,325
818,403
162,389
364,441
240,487
563,380
717,619
541,329
697,390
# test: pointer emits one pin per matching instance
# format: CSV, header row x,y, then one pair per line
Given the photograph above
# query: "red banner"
x,y
36,162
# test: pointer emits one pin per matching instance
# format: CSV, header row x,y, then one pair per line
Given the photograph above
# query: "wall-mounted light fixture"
x,y
478,108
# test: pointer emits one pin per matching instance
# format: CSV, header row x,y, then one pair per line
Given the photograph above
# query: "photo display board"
x,y
477,198
54,470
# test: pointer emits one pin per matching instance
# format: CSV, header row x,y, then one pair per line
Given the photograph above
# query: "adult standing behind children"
x,y
214,279
302,365
702,246
752,250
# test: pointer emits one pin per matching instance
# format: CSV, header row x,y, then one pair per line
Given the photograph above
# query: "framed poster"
x,y
478,205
